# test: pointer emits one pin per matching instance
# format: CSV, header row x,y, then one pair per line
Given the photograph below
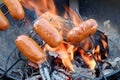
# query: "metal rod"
x,y
90,50
97,64
9,69
20,58
9,58
2,6
77,11
69,19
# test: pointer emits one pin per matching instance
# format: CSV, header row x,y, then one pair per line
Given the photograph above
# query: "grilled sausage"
x,y
84,30
4,23
15,9
48,33
30,49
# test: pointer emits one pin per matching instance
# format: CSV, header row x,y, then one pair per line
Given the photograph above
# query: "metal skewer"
x,y
90,50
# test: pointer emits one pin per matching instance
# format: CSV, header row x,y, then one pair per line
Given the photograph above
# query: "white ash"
x,y
36,77
54,54
114,63
59,76
83,73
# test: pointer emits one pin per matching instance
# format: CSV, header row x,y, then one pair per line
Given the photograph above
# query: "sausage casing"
x,y
48,33
15,9
30,49
84,30
4,23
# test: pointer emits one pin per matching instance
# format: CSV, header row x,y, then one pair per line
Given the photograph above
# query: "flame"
x,y
97,53
104,43
88,59
40,6
73,15
66,53
65,50
106,54
65,15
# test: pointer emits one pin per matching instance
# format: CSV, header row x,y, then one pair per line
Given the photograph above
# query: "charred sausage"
x,y
4,23
30,49
15,9
48,33
84,30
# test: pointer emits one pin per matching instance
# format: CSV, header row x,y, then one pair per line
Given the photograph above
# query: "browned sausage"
x,y
4,23
15,8
48,33
30,49
84,30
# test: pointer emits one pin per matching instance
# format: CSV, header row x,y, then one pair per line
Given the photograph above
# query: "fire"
x,y
104,43
66,51
88,59
97,53
40,6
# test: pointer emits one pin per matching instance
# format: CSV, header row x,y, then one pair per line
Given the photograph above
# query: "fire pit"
x,y
84,62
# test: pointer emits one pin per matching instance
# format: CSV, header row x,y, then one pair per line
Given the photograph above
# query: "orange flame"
x,y
66,53
40,6
88,59
104,43
97,53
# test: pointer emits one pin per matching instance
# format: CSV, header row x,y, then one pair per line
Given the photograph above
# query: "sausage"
x,y
30,49
4,23
47,32
84,30
26,4
15,9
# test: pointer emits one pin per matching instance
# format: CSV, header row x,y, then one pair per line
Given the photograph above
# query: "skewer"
x,y
90,50
2,6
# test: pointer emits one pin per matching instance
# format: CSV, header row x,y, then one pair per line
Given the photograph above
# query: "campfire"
x,y
71,48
